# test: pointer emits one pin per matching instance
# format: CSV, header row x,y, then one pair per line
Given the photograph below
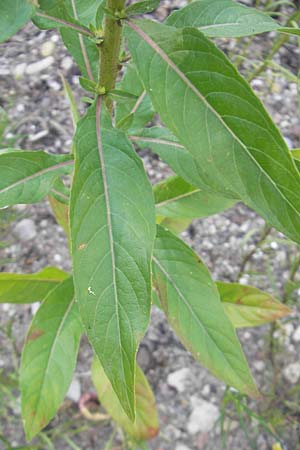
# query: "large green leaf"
x,y
222,18
145,425
112,229
214,113
192,305
135,113
49,358
247,306
14,15
175,198
29,288
27,176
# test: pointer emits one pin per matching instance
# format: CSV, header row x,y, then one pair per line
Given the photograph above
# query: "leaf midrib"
x,y
36,175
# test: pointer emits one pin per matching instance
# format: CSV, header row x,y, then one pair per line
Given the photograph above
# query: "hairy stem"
x,y
110,49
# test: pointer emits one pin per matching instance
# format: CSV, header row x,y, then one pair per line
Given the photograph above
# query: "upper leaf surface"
x,y
146,422
49,358
143,7
247,306
222,18
14,15
192,305
29,288
175,198
214,113
27,176
133,114
112,230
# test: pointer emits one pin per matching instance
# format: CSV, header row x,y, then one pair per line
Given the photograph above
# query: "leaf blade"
x,y
247,306
192,305
112,230
222,18
27,176
146,424
237,148
29,288
14,15
45,376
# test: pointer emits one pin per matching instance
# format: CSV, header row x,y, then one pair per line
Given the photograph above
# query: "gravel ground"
x,y
189,399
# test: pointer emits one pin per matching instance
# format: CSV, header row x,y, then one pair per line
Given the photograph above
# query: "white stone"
x,y
296,335
25,230
292,372
203,417
67,63
39,66
181,447
74,392
178,379
47,48
19,70
259,366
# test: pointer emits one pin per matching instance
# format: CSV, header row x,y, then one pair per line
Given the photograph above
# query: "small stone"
x,y
292,373
47,48
25,230
296,335
39,66
19,70
203,417
178,380
181,447
67,63
259,366
74,392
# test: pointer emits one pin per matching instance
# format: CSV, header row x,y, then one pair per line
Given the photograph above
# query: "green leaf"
x,y
49,358
192,305
247,306
14,15
59,198
175,198
70,97
290,30
162,141
27,176
144,7
138,110
118,94
4,121
214,113
112,230
222,18
146,423
29,288
88,84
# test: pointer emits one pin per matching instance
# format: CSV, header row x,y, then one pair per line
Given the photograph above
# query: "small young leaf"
x,y
29,288
290,30
222,18
59,201
49,357
112,229
118,94
146,423
14,15
213,112
192,305
144,7
135,113
4,121
87,84
175,198
28,176
73,105
247,306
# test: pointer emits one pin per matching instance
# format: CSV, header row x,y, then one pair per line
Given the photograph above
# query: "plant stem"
x,y
110,48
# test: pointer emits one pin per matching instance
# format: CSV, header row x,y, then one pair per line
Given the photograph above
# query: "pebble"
x,y
74,392
296,335
25,230
39,66
19,70
259,366
181,447
47,48
67,63
203,416
178,379
292,372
